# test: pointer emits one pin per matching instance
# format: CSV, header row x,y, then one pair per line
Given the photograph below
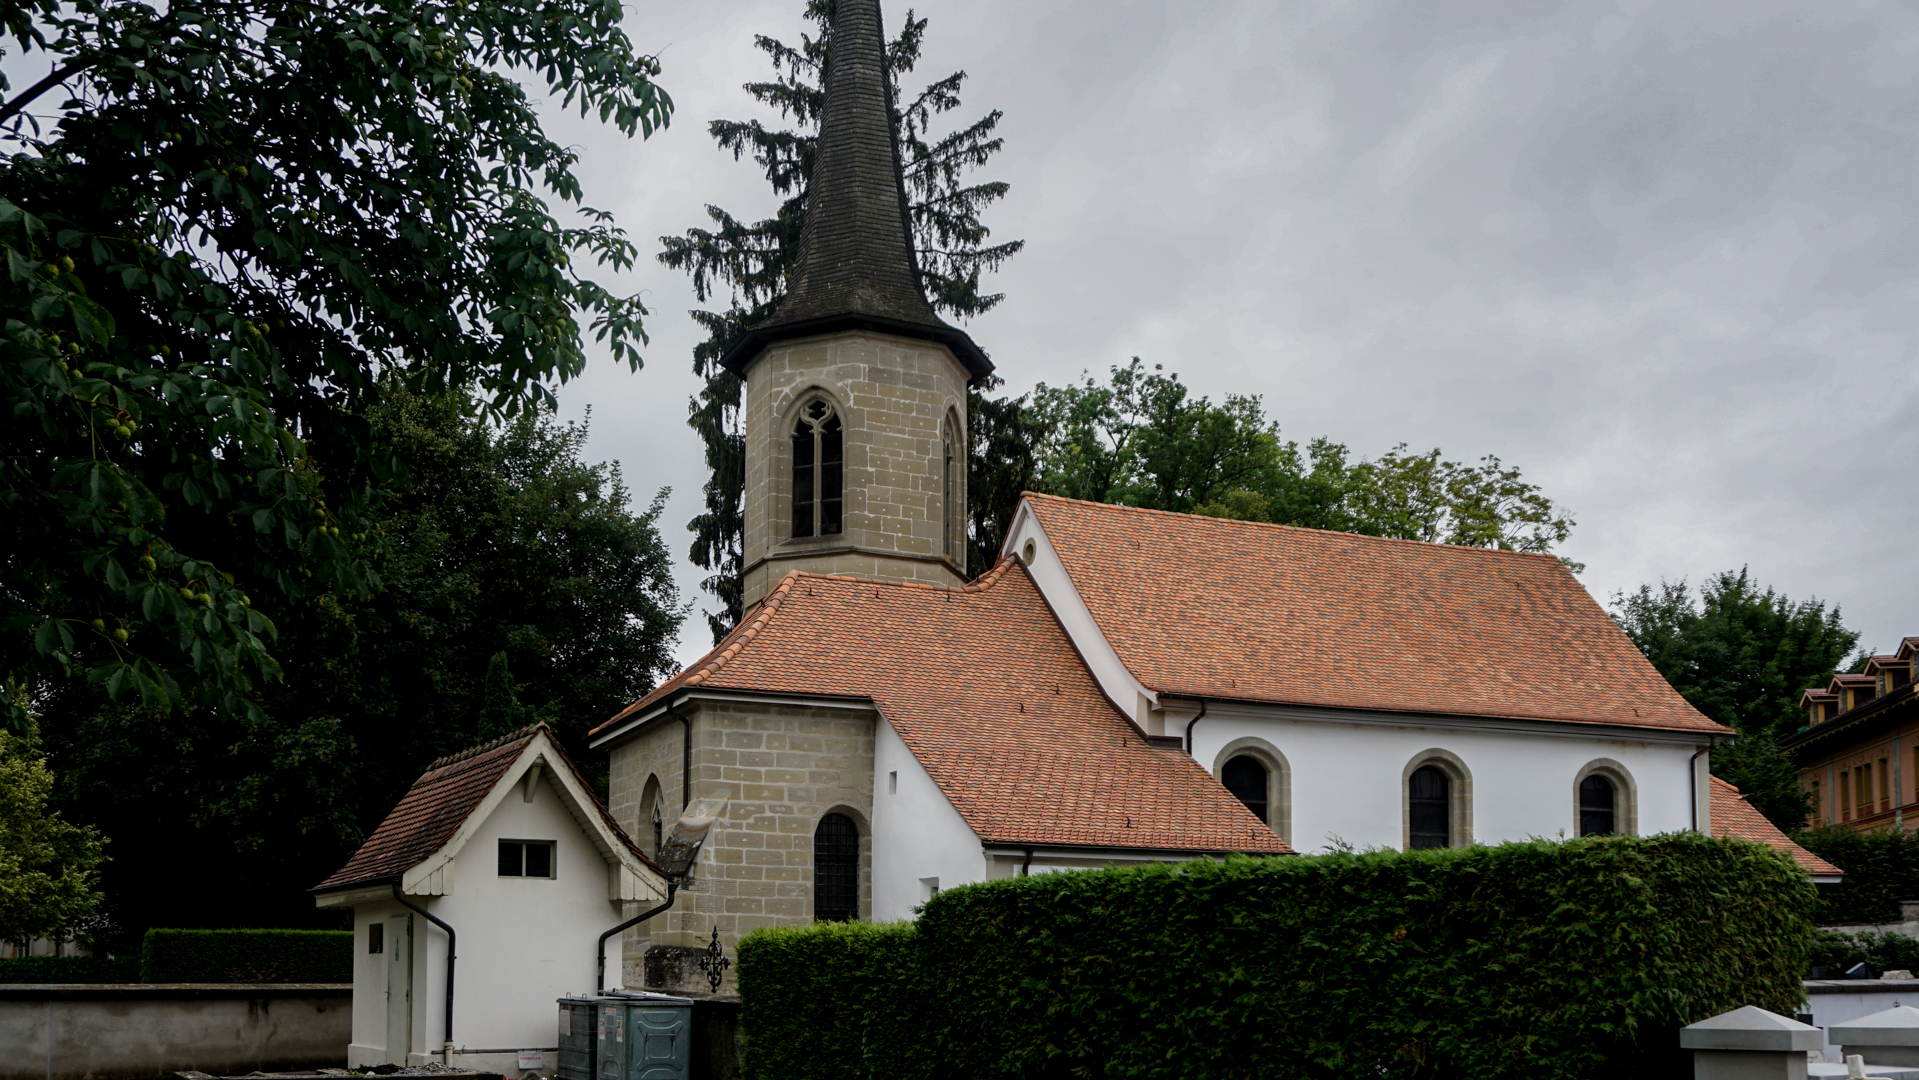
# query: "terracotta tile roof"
x,y
433,809
1213,608
985,688
1732,815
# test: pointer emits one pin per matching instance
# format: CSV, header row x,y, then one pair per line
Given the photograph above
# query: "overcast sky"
x,y
1661,257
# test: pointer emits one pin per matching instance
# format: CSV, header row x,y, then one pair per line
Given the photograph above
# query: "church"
x,y
1122,686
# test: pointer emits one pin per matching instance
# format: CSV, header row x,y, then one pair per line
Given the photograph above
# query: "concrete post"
x,y
1749,1044
1884,1038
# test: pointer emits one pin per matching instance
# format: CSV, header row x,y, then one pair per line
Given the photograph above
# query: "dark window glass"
x,y
512,855
658,831
946,496
831,476
539,860
1596,814
803,479
376,937
836,869
1245,777
1429,797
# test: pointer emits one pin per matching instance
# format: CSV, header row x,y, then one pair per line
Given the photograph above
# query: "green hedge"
x,y
230,956
70,969
1539,960
1836,951
1882,868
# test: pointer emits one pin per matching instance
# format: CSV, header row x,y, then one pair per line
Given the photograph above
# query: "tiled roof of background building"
x,y
1732,815
1206,607
987,691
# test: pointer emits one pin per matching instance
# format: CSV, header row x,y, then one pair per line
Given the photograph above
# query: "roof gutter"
x,y
1189,726
410,906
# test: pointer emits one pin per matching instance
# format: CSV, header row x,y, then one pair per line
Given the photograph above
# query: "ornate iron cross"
x,y
714,962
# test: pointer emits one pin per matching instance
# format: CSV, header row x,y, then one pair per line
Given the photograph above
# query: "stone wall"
x,y
78,1032
894,396
781,768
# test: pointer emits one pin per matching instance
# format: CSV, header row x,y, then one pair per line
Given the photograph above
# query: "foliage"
x,y
1002,462
1543,959
1143,439
1741,655
69,969
501,541
751,261
224,222
1882,868
1837,951
49,869
239,956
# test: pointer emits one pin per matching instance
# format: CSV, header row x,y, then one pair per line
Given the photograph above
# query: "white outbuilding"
x,y
480,900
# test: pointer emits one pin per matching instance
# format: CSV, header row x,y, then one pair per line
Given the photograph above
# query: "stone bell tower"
x,y
855,404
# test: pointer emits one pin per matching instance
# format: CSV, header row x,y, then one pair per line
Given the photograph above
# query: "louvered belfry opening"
x,y
1429,802
836,869
1597,801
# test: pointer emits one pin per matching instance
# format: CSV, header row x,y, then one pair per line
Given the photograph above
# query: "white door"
x,y
399,988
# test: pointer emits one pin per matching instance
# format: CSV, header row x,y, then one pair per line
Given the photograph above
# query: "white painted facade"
x,y
920,842
523,941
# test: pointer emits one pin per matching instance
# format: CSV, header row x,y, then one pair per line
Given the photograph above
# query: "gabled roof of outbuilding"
x,y
985,688
1238,610
431,812
1733,816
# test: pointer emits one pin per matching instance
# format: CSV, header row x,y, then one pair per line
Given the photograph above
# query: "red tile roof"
x,y
1206,607
1732,815
985,688
433,809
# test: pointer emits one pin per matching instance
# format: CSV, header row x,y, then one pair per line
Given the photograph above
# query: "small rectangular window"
x,y
526,858
892,783
376,937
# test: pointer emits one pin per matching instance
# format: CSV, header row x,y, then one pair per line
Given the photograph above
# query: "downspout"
x,y
686,757
405,903
1190,723
1692,778
599,976
1027,864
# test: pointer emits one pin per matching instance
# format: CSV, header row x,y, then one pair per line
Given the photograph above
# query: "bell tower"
x,y
855,402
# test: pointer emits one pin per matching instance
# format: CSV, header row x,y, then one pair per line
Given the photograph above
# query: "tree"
x,y
225,222
1741,655
750,261
49,869
518,585
1142,438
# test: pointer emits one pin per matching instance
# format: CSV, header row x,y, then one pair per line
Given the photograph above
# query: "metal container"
x,y
658,1043
579,1038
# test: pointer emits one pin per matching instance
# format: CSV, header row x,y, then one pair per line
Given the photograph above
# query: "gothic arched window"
x,y
817,471
949,494
1429,801
1597,813
836,869
1245,777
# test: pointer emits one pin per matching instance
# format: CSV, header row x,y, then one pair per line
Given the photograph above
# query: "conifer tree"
x,y
749,261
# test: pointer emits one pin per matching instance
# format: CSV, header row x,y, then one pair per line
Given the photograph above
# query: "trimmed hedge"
x,y
70,969
1545,959
233,956
1882,868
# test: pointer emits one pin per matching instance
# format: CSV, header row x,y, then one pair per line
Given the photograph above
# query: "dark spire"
x,y
856,267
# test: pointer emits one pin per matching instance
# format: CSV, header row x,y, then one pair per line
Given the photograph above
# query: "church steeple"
x,y
855,396
856,265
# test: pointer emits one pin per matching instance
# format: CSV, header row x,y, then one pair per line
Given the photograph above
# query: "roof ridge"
x,y
486,747
1237,522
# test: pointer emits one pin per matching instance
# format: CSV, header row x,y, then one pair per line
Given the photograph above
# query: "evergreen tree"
x,y
1742,655
750,261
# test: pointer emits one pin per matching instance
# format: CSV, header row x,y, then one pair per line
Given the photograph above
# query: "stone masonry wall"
x,y
781,768
652,753
893,395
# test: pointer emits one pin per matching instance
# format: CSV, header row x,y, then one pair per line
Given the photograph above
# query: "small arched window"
x,y
1598,814
1245,777
1429,797
818,477
836,869
659,830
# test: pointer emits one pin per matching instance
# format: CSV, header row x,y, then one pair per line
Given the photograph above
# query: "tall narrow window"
x,y
949,491
818,473
1862,791
836,869
1597,816
659,829
1429,805
1245,777
1885,781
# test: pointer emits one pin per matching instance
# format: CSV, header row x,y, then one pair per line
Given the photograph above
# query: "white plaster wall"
x,y
1346,778
916,833
369,986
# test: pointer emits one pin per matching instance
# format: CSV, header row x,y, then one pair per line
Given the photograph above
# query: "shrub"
x,y
1836,951
1882,868
70,969
230,956
1540,959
